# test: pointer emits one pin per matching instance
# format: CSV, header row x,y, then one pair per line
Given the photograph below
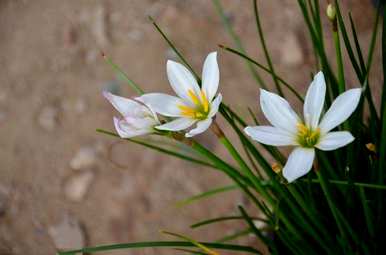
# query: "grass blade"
x,y
256,231
366,211
171,45
266,53
221,219
241,54
234,236
160,149
356,41
347,183
123,75
237,41
206,195
161,244
194,242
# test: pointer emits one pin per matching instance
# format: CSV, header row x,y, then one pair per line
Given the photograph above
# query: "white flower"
x,y
138,118
193,105
289,129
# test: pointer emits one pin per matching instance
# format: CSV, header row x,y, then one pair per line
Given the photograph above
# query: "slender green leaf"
x,y
171,45
237,41
346,183
241,54
366,211
194,242
221,219
123,75
257,231
347,43
357,45
160,244
235,235
160,149
191,251
266,53
206,194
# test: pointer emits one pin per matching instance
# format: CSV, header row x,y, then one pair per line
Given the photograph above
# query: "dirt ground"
x,y
64,185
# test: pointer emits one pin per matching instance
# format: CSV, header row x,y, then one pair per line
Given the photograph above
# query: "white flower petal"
x,y
214,106
201,127
163,103
210,76
141,123
334,140
150,110
342,107
125,130
299,163
313,104
270,135
181,80
123,105
177,124
278,111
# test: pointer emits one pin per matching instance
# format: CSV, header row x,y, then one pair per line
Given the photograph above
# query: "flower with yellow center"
x,y
288,129
194,105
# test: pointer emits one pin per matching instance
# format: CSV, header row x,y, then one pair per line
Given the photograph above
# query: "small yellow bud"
x,y
331,12
371,147
276,167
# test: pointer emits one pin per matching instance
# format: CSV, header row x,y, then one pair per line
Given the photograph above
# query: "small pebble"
x,y
48,118
291,51
99,26
84,158
4,198
68,234
76,187
135,35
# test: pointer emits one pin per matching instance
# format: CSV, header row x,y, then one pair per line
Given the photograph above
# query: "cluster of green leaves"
x,y
337,210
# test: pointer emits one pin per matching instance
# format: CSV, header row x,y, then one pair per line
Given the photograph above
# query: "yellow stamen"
x,y
307,137
200,108
187,111
194,97
204,100
302,129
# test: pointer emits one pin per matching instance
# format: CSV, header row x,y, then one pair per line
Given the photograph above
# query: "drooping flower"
x,y
137,119
194,105
288,129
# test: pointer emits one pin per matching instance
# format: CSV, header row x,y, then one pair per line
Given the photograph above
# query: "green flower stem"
x,y
226,168
247,171
331,204
357,184
304,221
339,62
266,53
306,208
366,211
123,75
244,167
242,55
237,42
171,44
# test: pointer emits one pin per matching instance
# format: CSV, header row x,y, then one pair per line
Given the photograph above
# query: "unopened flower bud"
x,y
371,147
276,168
331,12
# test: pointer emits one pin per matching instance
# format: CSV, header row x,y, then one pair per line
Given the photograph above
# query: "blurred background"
x,y
62,185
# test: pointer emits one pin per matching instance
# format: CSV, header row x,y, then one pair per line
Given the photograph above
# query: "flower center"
x,y
307,137
201,107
